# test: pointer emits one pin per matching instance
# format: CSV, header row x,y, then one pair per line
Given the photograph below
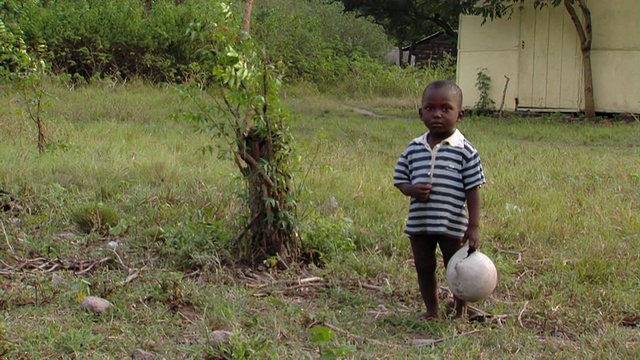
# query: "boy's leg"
x,y
424,256
449,247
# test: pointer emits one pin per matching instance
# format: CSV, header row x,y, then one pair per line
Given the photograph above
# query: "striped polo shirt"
x,y
452,167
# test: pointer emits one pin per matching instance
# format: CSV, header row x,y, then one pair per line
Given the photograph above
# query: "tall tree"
x,y
580,16
246,20
242,106
407,21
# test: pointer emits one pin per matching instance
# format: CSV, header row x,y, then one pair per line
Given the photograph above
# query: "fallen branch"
x,y
130,278
522,312
370,287
122,265
378,313
359,338
504,94
519,253
425,342
6,239
301,286
292,282
93,265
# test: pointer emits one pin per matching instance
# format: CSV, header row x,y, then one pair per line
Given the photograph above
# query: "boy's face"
x,y
441,110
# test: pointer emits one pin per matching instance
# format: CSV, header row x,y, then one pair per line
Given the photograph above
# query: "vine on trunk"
x,y
236,93
24,71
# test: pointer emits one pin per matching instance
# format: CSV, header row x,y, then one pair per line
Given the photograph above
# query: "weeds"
x,y
485,104
566,258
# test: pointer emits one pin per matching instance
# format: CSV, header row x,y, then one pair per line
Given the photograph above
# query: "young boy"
x,y
441,172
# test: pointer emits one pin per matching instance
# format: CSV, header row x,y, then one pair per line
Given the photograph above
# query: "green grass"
x,y
178,211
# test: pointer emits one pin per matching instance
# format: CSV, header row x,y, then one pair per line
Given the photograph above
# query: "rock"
x,y
141,354
96,304
56,279
331,206
65,236
424,342
218,337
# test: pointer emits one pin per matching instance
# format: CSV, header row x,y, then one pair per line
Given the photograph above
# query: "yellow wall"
x,y
494,48
545,65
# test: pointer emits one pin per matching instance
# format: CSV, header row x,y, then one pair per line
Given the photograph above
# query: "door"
x,y
550,75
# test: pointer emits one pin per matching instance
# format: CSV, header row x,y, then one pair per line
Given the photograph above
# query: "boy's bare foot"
x,y
429,315
450,307
472,313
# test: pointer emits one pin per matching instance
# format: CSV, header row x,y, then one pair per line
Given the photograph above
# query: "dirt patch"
x,y
630,321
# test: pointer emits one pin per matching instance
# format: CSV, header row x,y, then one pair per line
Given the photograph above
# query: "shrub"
x,y
326,236
315,40
367,77
95,217
113,37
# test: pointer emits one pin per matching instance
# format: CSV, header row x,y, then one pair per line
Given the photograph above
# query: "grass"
x,y
567,257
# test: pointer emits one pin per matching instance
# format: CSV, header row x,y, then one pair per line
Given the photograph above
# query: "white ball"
x,y
472,277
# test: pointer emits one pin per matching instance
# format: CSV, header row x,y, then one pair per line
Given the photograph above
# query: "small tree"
x,y
20,69
580,16
238,83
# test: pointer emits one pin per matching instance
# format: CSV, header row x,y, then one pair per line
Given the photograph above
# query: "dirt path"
x,y
366,112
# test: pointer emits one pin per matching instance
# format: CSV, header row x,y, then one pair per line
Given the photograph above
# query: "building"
x,y
427,51
539,51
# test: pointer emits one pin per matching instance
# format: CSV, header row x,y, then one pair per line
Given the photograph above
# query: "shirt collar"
x,y
456,139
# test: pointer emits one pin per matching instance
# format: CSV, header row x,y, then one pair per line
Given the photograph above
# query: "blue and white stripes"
x,y
452,167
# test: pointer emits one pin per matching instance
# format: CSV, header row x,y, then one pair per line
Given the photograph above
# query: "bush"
x,y
94,38
314,39
194,244
326,236
366,77
98,217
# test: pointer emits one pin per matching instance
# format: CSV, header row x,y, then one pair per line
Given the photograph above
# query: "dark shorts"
x,y
432,241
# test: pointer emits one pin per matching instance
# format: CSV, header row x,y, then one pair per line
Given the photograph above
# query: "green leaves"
x,y
15,61
237,97
321,336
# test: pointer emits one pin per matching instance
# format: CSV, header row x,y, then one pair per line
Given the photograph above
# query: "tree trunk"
x,y
584,28
246,20
148,6
267,201
589,104
400,56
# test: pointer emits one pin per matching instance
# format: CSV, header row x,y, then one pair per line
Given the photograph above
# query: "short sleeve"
x,y
401,174
472,172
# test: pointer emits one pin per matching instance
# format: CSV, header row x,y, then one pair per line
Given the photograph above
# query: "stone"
x,y
96,304
141,354
219,337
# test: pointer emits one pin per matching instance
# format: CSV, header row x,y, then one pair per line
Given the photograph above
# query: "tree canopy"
x,y
492,9
408,20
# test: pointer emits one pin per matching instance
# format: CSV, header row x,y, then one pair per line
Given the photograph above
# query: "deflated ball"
x,y
471,277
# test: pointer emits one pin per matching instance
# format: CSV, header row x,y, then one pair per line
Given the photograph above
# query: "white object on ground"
x,y
472,277
96,304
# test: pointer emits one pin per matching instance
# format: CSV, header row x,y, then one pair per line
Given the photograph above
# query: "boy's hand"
x,y
421,191
472,235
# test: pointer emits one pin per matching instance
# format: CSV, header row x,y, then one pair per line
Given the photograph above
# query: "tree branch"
x,y
251,161
577,23
586,14
246,20
443,24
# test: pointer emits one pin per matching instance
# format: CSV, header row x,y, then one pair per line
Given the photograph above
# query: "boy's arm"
x,y
474,203
418,191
